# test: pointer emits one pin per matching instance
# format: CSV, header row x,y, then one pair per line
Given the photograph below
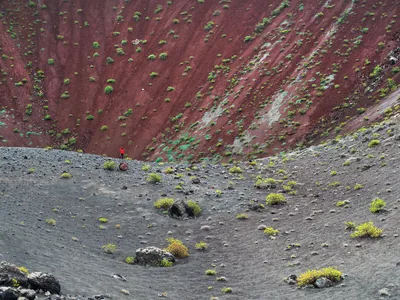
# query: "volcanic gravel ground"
x,y
253,264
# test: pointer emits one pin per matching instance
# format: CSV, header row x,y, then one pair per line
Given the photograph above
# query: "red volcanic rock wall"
x,y
239,78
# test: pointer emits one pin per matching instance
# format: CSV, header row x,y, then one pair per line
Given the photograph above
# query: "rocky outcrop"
x,y
180,210
152,256
123,166
45,282
14,283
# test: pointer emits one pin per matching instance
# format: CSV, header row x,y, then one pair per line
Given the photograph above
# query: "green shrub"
x,y
242,216
108,89
151,57
163,56
373,143
96,45
169,170
271,231
109,165
130,260
153,74
28,109
24,270
164,203
201,245
51,222
103,220
109,248
367,230
275,198
154,177
311,276
211,272
177,248
146,168
166,263
31,170
104,128
350,225
66,175
235,170
263,183
226,290
90,117
376,205
195,207
50,61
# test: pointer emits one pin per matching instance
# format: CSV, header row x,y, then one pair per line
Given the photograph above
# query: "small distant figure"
x,y
121,153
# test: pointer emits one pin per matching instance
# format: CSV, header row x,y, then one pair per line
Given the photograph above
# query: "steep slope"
x,y
191,79
52,224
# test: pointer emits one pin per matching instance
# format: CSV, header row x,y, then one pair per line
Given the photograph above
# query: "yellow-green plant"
x,y
311,276
377,205
275,198
235,170
201,245
66,175
109,248
154,178
109,165
367,230
195,207
271,231
210,272
164,203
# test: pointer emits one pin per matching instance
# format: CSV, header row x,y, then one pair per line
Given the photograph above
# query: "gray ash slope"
x,y
253,264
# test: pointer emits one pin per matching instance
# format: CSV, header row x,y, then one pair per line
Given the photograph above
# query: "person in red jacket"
x,y
121,153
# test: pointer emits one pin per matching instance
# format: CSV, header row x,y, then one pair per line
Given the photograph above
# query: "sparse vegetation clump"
x,y
166,263
350,225
146,168
51,222
130,260
177,248
195,207
311,276
109,248
367,229
164,203
275,198
108,89
226,290
66,175
201,246
377,205
242,216
264,183
271,231
211,272
235,170
109,165
154,178
373,143
103,220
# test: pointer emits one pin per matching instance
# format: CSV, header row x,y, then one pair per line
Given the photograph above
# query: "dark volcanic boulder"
x,y
152,256
8,293
180,210
123,166
45,282
9,274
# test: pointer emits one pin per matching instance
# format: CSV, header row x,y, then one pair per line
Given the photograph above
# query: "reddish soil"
x,y
297,78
